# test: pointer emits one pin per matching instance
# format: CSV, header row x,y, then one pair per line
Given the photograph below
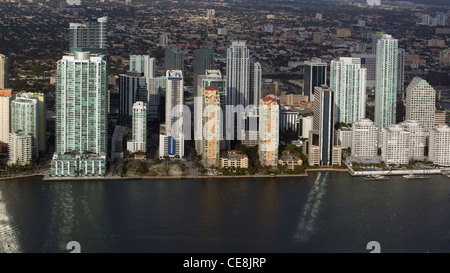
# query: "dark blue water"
x,y
325,212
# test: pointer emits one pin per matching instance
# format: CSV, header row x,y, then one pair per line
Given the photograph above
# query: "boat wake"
x,y
307,222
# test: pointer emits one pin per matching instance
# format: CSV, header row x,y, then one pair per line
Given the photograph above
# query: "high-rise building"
x,y
157,86
364,138
439,147
386,81
368,61
89,36
210,13
4,71
238,74
322,134
24,117
416,146
211,78
143,64
315,75
138,142
255,83
132,88
376,36
269,119
203,60
42,119
344,137
81,115
212,127
401,71
395,147
444,57
348,81
171,135
164,39
5,99
19,148
441,19
420,102
173,58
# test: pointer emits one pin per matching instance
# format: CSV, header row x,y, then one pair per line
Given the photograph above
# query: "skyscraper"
x,y
269,135
138,142
386,81
211,78
255,83
5,99
364,138
24,117
203,60
238,74
81,115
132,88
323,124
143,64
3,71
439,151
212,123
420,102
315,75
90,36
171,135
401,71
173,58
42,119
348,81
369,62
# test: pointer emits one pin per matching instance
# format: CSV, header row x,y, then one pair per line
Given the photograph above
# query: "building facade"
x,y
439,147
315,75
132,88
203,60
420,103
89,36
20,148
348,81
81,116
395,148
364,138
4,71
386,81
416,146
238,74
24,117
138,141
269,135
5,100
173,58
212,127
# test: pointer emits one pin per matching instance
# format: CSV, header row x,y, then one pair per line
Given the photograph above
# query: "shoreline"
x,y
348,170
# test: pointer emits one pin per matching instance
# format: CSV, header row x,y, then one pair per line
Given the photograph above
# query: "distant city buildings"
x,y
164,39
171,137
4,71
89,36
364,138
348,81
420,103
315,75
81,142
444,57
439,150
210,13
269,116
173,58
138,142
5,99
386,81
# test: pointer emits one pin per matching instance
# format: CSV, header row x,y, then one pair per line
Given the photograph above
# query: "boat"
x,y
376,177
413,176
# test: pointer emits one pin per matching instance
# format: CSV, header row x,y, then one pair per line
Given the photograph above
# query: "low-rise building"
x,y
234,159
289,160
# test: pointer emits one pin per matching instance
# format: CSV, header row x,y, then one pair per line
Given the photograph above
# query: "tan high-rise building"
x,y
211,123
269,117
5,100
